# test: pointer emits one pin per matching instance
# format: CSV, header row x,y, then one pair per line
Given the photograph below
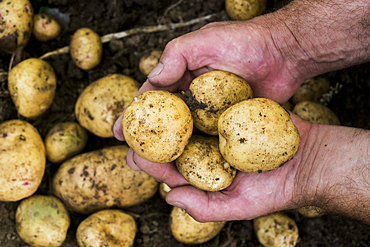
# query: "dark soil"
x,y
351,104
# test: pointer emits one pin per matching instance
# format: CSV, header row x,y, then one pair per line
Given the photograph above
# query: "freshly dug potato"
x,y
32,85
45,27
64,141
288,106
86,48
244,9
276,230
211,93
203,166
316,113
42,221
311,90
15,24
189,231
101,179
103,101
257,135
311,211
163,190
22,160
157,126
149,61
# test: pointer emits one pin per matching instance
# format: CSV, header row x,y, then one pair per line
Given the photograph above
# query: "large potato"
x,y
157,126
32,85
316,113
42,221
244,9
257,135
110,227
15,24
211,93
22,160
103,101
189,231
101,179
311,90
45,27
203,166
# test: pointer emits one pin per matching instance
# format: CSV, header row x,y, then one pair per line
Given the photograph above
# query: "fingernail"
x,y
178,204
157,70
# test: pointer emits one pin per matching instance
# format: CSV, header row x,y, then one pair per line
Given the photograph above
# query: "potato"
x,y
16,24
189,231
149,61
211,93
203,166
288,106
157,126
311,90
101,179
64,140
32,85
103,101
276,230
86,48
311,211
110,227
22,160
45,27
42,221
257,135
163,190
244,9
315,113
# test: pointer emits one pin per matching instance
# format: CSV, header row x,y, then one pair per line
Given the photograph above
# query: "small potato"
x,y
22,160
103,101
189,231
244,9
276,230
211,93
101,179
257,135
32,85
42,221
315,113
45,27
64,141
157,126
15,24
163,190
110,227
311,90
86,48
311,211
149,61
203,166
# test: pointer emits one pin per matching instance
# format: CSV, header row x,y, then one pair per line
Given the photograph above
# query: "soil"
x,y
350,103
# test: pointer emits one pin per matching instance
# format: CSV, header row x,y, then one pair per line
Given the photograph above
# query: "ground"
x,y
350,103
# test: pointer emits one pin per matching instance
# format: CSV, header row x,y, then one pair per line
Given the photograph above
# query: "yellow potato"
x,y
64,141
86,48
211,93
157,126
311,90
311,211
103,101
32,85
22,160
110,227
42,221
101,179
45,27
257,135
163,190
316,113
189,231
149,61
203,166
244,9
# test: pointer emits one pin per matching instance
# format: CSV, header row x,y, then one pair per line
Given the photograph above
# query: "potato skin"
x,y
257,135
22,156
45,27
32,85
42,221
64,140
101,179
203,166
157,126
86,48
311,211
110,227
148,62
316,113
103,101
211,93
311,90
189,231
244,9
